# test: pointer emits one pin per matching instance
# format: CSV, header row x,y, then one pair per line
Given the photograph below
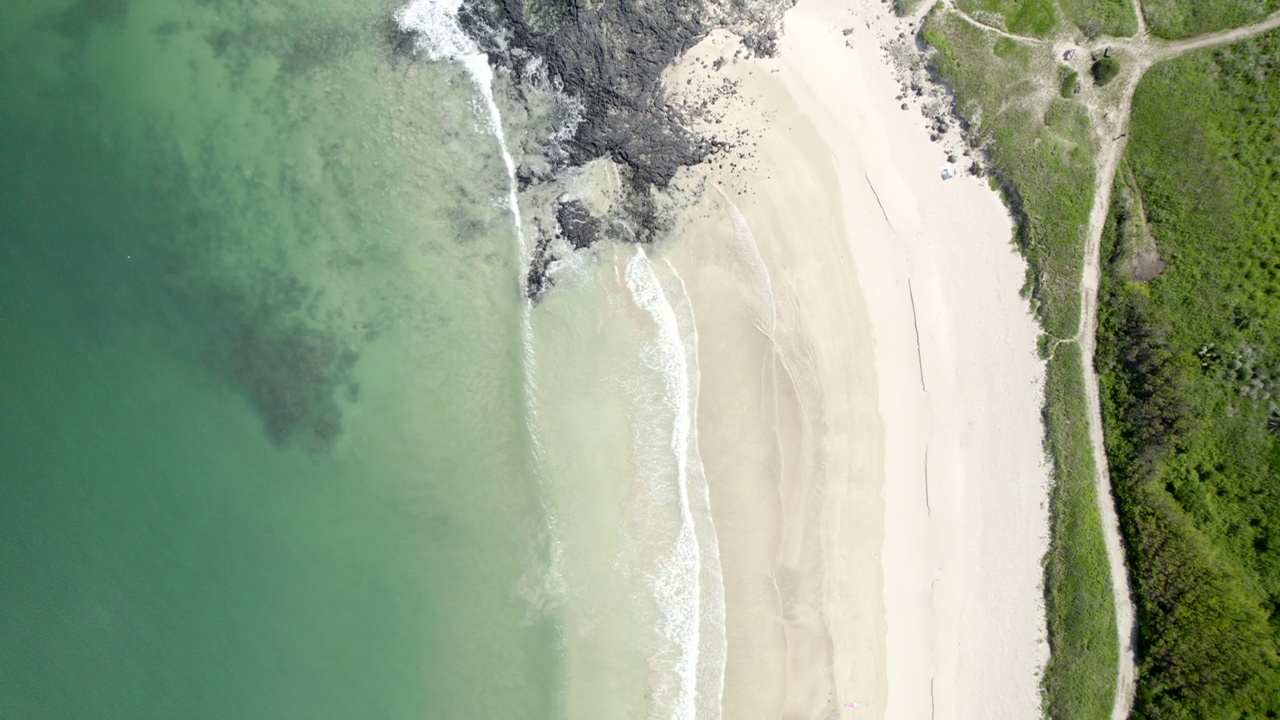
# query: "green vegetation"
x,y
1104,70
905,7
1040,149
1080,681
1039,142
1186,18
1004,47
1108,17
1189,364
1020,17
1069,84
1039,17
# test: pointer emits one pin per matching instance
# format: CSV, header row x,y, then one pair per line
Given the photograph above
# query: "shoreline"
x,y
893,521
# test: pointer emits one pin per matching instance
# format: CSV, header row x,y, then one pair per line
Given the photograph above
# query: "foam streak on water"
x,y
677,585
441,37
438,34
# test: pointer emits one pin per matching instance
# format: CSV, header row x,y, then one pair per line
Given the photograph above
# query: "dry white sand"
x,y
869,416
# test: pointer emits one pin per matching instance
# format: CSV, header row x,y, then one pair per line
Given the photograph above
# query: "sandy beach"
x,y
869,415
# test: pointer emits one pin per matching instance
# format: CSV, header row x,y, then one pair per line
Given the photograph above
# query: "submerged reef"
x,y
289,374
266,336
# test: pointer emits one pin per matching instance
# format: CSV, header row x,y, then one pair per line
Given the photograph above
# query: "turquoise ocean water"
x,y
264,450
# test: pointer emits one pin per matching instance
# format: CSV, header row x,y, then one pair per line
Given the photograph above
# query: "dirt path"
x,y
1111,128
951,5
1110,112
1142,19
1165,49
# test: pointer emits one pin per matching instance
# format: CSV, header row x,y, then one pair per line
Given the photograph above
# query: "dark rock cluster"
x,y
577,225
611,55
579,229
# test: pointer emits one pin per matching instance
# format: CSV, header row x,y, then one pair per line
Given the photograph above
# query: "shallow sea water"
x,y
263,444
280,436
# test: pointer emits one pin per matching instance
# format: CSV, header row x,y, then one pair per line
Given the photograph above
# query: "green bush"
x,y
905,7
1104,70
1070,83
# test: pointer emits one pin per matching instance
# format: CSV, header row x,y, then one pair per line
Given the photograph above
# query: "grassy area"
x,y
1190,369
1105,17
1080,681
1021,17
906,7
1040,147
1039,142
1186,18
1038,18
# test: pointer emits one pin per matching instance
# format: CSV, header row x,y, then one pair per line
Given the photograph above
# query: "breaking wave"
x,y
685,581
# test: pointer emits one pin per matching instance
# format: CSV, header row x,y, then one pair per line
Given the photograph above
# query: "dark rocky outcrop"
x,y
538,280
577,225
611,55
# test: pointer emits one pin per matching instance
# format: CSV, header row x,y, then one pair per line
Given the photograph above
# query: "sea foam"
x,y
688,609
713,650
685,582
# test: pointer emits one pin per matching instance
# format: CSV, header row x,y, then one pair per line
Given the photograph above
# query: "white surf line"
x,y
683,619
711,698
435,23
438,33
